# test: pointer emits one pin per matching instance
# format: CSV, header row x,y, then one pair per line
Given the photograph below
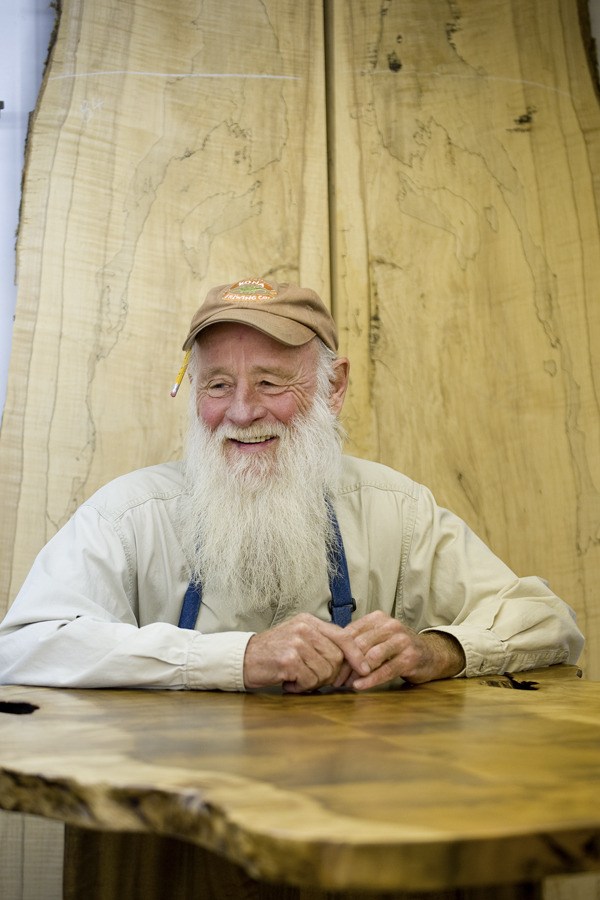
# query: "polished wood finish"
x,y
448,785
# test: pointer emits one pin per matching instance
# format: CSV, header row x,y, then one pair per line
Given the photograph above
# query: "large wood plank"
x,y
175,146
441,786
466,167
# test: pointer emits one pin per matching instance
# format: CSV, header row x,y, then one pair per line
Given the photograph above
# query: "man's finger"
x,y
349,647
346,671
385,673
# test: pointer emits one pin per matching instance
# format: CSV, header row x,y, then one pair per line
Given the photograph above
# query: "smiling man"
x,y
268,557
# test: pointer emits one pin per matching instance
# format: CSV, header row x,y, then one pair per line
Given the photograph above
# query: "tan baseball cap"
x,y
291,314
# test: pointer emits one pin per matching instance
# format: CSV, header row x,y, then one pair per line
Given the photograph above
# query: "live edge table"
x,y
470,788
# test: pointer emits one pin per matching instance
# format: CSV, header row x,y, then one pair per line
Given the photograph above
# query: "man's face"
x,y
249,381
263,450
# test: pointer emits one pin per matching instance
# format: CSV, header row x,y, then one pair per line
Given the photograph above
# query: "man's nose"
x,y
246,406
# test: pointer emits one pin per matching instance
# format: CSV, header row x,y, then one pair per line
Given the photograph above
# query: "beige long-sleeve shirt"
x,y
101,604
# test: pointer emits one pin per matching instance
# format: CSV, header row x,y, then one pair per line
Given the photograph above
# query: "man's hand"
x,y
303,654
392,650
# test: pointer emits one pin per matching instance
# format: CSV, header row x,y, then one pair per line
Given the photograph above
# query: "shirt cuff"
x,y
216,661
487,654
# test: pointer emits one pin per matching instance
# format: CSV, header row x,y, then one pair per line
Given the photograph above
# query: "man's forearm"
x,y
447,655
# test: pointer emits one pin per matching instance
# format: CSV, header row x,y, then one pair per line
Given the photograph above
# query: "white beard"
x,y
256,526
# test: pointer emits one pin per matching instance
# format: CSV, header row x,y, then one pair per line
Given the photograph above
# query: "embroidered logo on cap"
x,y
250,290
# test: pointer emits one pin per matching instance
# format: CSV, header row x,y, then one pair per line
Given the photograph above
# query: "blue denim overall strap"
x,y
190,606
341,605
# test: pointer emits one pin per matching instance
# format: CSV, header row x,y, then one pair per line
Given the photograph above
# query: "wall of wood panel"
x,y
173,145
463,198
466,166
447,152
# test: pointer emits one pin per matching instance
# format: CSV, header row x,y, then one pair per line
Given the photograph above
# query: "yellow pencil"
x,y
180,374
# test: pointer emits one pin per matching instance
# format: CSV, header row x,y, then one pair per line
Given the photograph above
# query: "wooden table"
x,y
444,786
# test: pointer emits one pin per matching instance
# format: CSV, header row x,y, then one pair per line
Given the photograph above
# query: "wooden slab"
x,y
174,147
465,140
463,202
446,785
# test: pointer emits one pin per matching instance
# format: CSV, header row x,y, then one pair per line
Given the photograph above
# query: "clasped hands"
x,y
305,653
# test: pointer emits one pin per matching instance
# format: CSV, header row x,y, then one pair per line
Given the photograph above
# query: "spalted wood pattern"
x,y
451,784
463,201
175,146
465,140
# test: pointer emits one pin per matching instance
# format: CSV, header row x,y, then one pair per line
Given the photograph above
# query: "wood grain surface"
x,y
175,146
171,148
445,785
465,140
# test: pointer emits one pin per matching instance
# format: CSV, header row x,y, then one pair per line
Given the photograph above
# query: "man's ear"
x,y
339,385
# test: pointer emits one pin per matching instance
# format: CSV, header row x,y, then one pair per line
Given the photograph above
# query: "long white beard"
x,y
254,527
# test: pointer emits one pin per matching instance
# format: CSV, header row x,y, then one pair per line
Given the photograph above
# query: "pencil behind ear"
x,y
181,373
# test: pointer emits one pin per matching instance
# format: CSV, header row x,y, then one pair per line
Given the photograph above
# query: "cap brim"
x,y
281,329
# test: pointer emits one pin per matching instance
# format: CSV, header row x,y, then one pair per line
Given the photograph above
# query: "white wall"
x,y
25,29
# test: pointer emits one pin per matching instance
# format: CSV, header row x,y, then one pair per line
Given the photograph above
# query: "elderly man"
x,y
267,557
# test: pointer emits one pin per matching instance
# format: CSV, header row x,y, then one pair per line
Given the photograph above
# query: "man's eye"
x,y
217,389
271,387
